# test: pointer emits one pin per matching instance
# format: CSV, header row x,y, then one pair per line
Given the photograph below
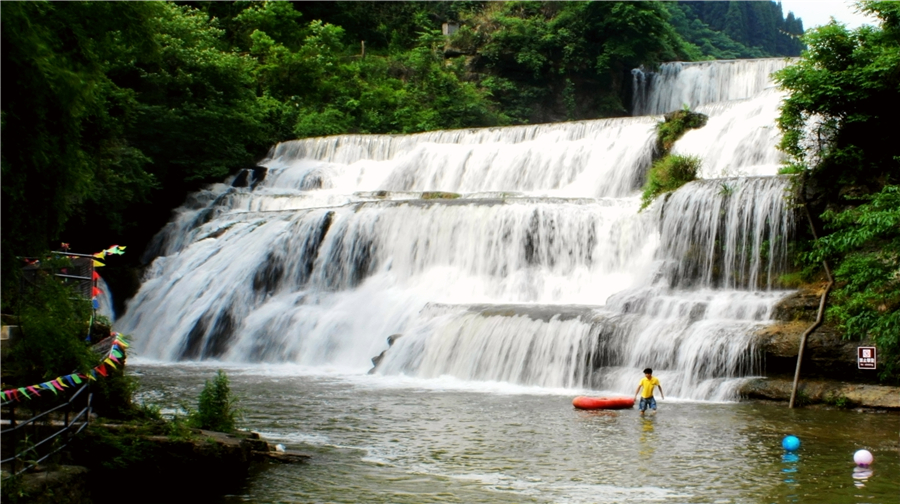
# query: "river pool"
x,y
377,439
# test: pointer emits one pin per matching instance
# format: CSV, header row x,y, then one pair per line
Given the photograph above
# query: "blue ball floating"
x,y
790,443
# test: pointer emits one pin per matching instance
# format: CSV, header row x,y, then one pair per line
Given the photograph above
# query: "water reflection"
x,y
790,462
647,439
861,475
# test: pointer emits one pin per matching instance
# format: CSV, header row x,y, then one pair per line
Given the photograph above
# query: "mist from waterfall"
x,y
512,254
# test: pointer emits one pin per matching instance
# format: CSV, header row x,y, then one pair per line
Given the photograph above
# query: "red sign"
x,y
865,357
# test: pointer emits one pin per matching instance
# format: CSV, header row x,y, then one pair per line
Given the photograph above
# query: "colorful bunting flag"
x,y
116,353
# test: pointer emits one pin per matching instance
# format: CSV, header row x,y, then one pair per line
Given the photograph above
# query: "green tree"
x,y
838,125
216,406
198,115
65,153
532,53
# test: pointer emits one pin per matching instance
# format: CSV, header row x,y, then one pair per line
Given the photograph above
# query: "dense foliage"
x,y
63,121
865,246
54,322
838,126
727,30
565,60
113,111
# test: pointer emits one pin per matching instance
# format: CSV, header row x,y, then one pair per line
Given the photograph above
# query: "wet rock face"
x,y
377,359
835,393
800,306
827,354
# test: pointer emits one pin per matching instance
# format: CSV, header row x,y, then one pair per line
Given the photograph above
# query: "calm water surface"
x,y
381,439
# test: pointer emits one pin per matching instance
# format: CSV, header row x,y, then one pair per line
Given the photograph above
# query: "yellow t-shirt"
x,y
648,386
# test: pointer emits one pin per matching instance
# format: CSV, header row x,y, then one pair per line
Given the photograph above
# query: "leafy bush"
x,y
668,174
216,406
864,249
53,321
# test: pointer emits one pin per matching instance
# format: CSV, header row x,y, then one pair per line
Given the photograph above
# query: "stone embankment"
x,y
181,466
829,372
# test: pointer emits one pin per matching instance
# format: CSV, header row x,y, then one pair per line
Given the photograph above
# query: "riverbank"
x,y
193,463
824,392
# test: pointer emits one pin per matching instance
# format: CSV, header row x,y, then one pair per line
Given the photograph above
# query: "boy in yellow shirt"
x,y
647,383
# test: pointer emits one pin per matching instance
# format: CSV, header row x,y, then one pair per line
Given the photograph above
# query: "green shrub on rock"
x,y
668,174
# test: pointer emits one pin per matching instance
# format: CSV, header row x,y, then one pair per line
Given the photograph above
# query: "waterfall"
x,y
513,254
679,84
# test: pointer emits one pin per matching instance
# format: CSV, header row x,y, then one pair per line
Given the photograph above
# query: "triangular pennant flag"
x,y
3,395
102,370
114,359
77,378
55,385
22,390
70,380
110,362
61,382
15,394
33,390
116,353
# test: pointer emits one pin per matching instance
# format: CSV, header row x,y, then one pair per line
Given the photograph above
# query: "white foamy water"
x,y
679,84
538,271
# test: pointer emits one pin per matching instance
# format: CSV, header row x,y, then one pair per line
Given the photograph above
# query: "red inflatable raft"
x,y
584,402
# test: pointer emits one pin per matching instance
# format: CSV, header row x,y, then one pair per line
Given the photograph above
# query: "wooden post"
x,y
819,317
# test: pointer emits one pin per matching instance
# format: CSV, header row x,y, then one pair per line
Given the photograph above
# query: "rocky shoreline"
x,y
829,373
825,392
166,467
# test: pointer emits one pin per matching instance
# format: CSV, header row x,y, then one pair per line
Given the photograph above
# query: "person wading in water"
x,y
645,388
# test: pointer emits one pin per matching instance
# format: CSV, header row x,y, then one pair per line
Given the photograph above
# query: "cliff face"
x,y
827,354
829,371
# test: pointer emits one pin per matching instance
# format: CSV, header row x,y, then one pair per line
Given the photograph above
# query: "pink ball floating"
x,y
863,457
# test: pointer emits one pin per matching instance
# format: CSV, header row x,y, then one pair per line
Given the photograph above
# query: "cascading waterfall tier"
x,y
678,84
514,254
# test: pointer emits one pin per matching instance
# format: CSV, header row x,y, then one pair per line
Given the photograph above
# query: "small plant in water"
x,y
216,406
838,400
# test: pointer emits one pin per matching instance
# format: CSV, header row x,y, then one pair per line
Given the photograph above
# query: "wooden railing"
x,y
34,440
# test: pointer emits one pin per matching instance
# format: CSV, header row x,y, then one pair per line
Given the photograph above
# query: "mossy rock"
x,y
676,124
439,195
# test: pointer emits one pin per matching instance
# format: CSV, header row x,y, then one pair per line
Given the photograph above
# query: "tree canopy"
x,y
838,125
113,111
